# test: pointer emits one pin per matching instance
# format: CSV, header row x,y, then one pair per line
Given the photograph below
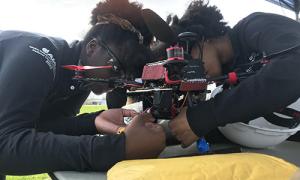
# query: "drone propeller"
x,y
160,29
83,68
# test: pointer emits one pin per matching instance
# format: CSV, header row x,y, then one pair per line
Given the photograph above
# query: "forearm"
x,y
273,87
30,152
83,124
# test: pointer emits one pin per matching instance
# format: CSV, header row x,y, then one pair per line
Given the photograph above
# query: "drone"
x,y
166,86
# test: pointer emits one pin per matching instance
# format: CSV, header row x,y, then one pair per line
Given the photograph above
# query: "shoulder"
x,y
265,19
23,39
33,51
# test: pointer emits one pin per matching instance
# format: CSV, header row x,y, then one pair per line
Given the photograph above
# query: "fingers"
x,y
187,139
137,120
185,136
129,113
154,127
106,127
144,120
173,127
144,117
147,117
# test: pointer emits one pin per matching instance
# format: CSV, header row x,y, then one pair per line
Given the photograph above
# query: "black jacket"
x,y
39,129
274,86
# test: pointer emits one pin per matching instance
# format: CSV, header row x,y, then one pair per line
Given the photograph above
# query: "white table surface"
x,y
287,150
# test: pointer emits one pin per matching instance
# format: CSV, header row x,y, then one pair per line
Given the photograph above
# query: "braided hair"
x,y
130,11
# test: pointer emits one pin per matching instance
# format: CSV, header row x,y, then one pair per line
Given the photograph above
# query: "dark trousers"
x,y
2,177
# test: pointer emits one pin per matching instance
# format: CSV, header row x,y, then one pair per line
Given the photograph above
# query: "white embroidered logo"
x,y
50,61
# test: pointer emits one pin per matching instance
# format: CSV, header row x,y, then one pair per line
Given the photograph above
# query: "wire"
x,y
184,100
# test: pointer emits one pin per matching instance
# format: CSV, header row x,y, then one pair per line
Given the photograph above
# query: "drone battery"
x,y
175,53
154,72
193,85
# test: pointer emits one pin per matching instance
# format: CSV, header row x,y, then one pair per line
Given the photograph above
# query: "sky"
x,y
69,19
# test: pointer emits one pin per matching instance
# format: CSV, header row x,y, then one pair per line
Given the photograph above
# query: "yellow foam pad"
x,y
240,166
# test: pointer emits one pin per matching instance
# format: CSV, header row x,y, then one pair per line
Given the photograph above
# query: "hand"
x,y
181,129
110,120
144,139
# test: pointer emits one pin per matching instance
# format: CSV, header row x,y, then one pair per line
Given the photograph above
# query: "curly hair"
x,y
205,20
131,11
121,14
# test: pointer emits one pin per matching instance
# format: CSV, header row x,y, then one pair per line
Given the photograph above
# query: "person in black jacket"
x,y
271,83
39,129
